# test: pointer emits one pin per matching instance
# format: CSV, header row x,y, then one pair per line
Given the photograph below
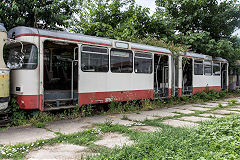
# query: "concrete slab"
x,y
68,126
137,117
182,111
166,112
199,109
234,109
195,119
225,112
146,128
25,135
178,123
191,107
112,140
60,151
207,105
211,115
213,104
114,119
182,106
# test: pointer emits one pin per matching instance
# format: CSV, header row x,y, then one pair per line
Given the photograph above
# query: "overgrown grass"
x,y
39,119
216,139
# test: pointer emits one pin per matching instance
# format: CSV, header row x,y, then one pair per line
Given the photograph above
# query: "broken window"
x,y
216,69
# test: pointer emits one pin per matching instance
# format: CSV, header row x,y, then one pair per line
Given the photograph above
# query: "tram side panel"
x,y
110,86
210,80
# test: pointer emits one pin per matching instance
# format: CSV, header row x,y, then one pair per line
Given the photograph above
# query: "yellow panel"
x,y
4,85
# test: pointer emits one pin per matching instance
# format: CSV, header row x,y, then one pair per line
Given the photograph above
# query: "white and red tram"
x,y
53,69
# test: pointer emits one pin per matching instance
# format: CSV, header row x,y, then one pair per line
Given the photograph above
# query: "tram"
x,y
53,70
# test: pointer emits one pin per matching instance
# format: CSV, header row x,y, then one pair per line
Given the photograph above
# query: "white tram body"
x,y
56,69
112,84
201,72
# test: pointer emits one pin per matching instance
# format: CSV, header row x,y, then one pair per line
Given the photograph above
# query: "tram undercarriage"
x,y
60,74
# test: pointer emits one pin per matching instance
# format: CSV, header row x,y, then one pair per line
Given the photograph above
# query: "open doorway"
x,y
161,75
60,74
187,70
223,76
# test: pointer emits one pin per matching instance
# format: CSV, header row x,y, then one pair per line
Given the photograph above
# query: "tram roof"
x,y
22,30
205,57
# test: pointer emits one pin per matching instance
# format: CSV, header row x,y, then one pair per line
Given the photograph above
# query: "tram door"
x,y
161,75
60,75
187,74
223,76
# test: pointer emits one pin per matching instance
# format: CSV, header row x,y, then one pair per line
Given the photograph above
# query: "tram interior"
x,y
60,73
187,68
161,75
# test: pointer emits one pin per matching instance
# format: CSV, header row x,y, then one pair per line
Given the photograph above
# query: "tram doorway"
x,y
161,86
224,76
187,74
60,74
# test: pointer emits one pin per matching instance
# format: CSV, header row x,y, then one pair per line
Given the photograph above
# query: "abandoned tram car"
x,y
53,69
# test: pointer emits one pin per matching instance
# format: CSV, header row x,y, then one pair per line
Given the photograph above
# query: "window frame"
x,y
205,64
147,53
198,63
107,53
37,50
121,50
218,70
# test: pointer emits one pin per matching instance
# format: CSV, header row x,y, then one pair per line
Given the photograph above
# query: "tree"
x,y
119,19
206,26
220,19
45,14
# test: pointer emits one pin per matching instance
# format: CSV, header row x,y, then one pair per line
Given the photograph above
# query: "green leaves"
x,y
46,14
119,19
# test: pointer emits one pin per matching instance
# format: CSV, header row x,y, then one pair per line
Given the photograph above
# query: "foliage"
x,y
203,43
220,19
206,26
86,110
122,107
46,14
119,19
216,139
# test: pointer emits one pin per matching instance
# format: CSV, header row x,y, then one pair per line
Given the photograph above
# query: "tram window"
x,y
216,69
94,59
198,67
208,68
121,61
22,56
143,62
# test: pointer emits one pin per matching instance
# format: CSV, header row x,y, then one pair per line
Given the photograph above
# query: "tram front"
x,y
4,72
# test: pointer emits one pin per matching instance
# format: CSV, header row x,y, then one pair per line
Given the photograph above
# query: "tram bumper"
x,y
3,103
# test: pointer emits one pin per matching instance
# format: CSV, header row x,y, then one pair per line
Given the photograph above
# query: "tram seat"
x,y
64,76
50,79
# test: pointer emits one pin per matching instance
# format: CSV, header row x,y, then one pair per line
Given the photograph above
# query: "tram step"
x,y
54,100
59,102
58,108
